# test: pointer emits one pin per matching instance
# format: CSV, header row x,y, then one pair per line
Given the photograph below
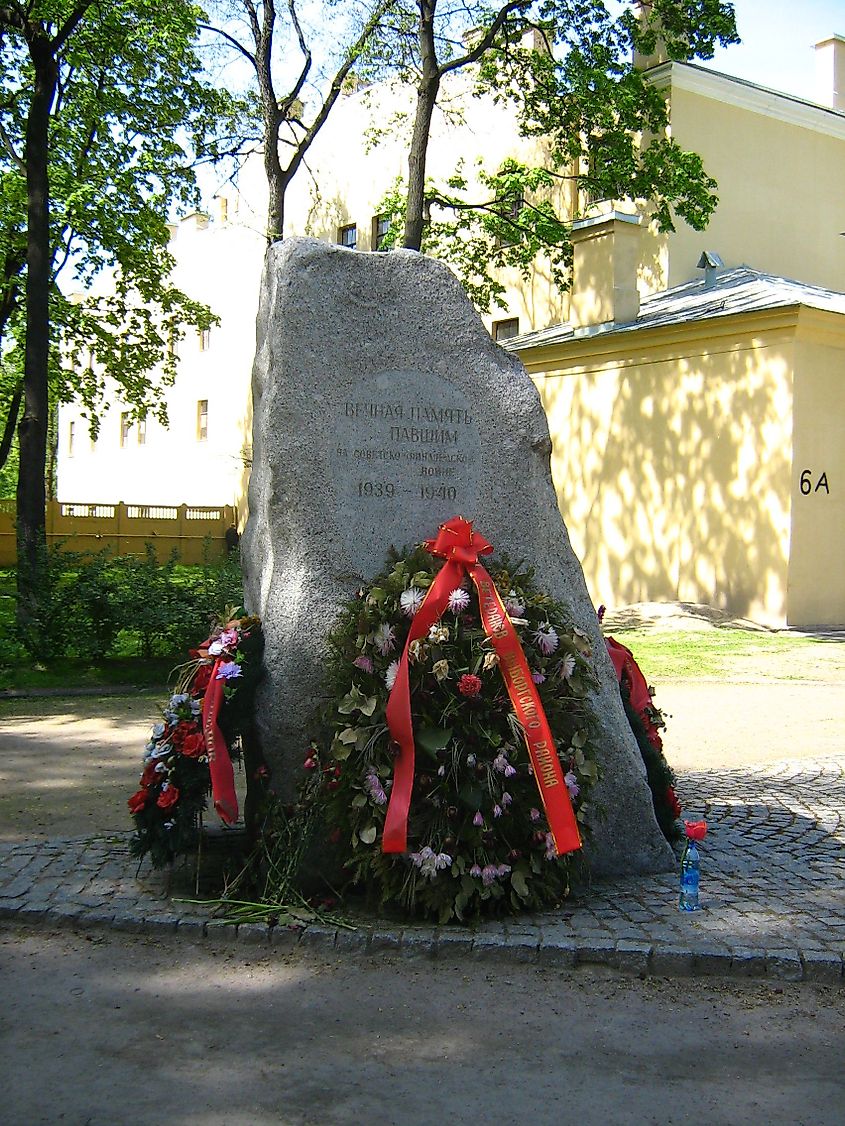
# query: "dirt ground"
x,y
106,1029
113,1030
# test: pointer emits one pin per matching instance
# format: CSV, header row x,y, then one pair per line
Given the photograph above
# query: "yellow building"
x,y
699,445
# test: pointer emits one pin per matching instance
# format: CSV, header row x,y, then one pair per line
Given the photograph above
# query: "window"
x,y
510,211
202,420
381,225
205,339
142,432
507,329
70,429
348,236
125,429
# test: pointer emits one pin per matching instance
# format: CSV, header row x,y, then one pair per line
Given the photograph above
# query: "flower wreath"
x,y
647,721
479,841
177,776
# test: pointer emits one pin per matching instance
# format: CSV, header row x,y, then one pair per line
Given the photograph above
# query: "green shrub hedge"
x,y
93,607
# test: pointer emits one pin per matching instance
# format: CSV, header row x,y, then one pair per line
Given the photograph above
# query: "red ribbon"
x,y
219,763
628,672
461,547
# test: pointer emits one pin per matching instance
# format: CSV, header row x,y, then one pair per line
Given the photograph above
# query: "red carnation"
x,y
168,798
150,775
203,676
138,800
696,830
469,685
180,732
193,745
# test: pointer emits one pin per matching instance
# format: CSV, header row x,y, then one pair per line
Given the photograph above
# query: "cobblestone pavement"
x,y
773,893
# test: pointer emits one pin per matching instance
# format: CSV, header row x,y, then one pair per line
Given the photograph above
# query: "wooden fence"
x,y
127,528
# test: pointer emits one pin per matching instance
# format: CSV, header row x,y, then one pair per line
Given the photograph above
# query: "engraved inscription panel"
x,y
405,456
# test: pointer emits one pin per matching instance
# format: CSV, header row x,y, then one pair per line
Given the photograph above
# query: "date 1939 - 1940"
x,y
388,489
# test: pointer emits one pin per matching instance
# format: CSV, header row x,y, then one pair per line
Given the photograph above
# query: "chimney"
x,y
606,247
643,12
830,72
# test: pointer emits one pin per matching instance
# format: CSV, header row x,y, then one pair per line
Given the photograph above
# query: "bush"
x,y
103,605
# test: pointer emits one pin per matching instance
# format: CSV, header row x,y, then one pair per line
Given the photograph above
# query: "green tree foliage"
x,y
567,69
104,112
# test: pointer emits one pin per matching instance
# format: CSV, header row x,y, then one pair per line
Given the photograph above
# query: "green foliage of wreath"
x,y
478,837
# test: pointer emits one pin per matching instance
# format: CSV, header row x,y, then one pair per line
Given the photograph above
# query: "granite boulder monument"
x,y
382,407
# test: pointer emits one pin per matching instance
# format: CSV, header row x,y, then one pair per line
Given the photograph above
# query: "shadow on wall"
x,y
674,478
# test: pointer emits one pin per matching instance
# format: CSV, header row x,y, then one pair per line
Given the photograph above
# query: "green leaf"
x,y
518,883
355,700
433,739
368,835
359,801
340,751
348,735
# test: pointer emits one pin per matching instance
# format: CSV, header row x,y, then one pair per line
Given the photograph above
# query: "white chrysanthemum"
x,y
384,638
390,675
458,600
546,638
410,600
568,666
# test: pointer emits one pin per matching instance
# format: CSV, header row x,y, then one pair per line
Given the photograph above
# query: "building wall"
x,y
350,175
817,562
780,166
672,463
218,263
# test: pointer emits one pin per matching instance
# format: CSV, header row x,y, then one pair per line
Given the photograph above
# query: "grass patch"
x,y
733,655
65,673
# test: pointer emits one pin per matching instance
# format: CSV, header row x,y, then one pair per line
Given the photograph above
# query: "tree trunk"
x,y
426,99
32,432
11,423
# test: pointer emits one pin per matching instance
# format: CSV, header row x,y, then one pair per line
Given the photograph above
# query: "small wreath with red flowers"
x,y
175,780
478,838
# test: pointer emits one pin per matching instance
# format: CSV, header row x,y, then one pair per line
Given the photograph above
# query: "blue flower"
x,y
228,671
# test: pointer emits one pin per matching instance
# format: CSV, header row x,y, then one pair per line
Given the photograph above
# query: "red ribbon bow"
x,y
461,547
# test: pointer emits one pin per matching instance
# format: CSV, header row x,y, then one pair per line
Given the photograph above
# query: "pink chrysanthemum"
x,y
572,784
384,638
514,607
364,663
546,638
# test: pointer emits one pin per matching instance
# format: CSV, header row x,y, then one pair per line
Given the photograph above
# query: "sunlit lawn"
x,y
733,655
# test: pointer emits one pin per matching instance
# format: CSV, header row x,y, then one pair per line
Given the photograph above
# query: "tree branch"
x,y
232,41
10,149
486,40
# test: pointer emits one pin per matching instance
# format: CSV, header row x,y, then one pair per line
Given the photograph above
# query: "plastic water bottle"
x,y
688,899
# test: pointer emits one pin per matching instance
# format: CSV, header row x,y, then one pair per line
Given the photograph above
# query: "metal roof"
x,y
735,290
